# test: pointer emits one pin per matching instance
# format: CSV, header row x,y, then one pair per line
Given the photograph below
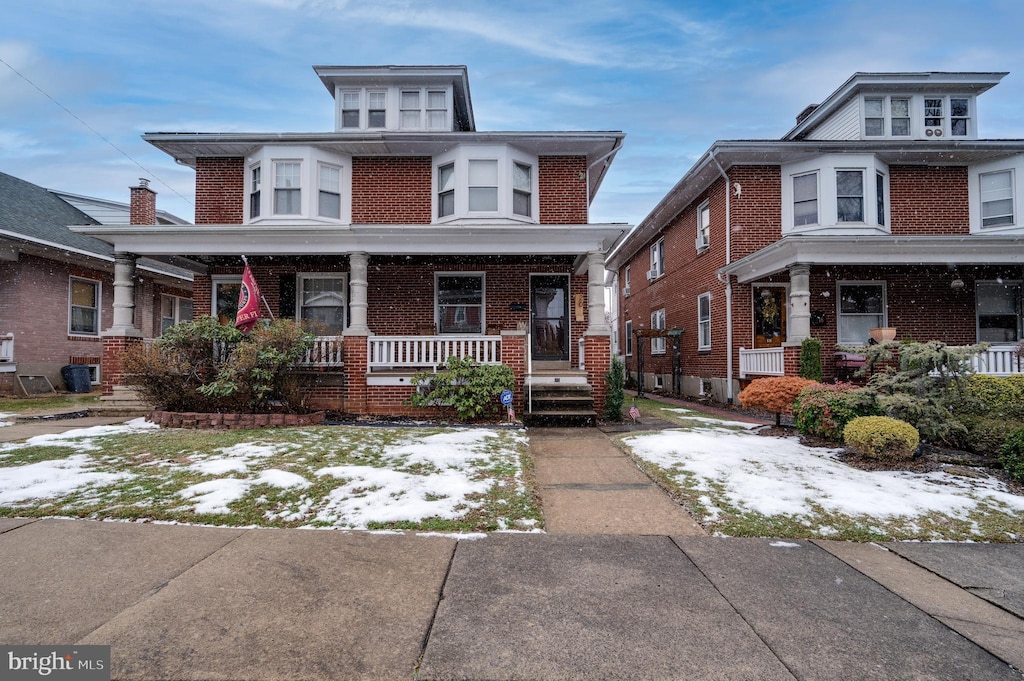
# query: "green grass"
x,y
35,405
158,463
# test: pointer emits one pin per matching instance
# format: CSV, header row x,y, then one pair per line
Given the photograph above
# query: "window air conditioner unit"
x,y
700,244
625,291
650,275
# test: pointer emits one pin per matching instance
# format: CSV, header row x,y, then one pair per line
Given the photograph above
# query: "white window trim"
x,y
657,252
221,279
99,306
176,316
839,305
887,116
1014,163
702,322
506,156
658,345
977,318
319,188
629,338
626,290
300,276
393,106
828,222
483,298
251,189
703,240
916,112
311,158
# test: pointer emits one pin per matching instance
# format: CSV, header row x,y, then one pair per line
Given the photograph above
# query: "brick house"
x,y
881,208
405,235
56,286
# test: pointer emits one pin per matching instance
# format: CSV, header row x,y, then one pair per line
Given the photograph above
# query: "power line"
x,y
94,131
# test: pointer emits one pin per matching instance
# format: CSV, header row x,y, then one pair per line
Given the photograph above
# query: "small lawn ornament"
x,y
634,412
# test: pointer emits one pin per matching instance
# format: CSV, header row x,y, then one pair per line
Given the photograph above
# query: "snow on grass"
x,y
702,418
81,439
236,458
49,479
213,496
4,421
732,472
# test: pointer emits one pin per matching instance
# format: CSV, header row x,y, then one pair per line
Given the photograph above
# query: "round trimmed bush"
x,y
882,437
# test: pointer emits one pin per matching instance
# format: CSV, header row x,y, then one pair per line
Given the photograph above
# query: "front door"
x,y
769,316
549,311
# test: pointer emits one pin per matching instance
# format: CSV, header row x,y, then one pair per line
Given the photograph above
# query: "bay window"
x,y
805,199
308,184
485,182
255,183
850,196
522,189
997,198
843,194
287,187
860,308
330,192
483,185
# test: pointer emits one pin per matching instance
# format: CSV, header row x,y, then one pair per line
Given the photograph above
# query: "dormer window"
x,y
394,108
350,109
886,116
947,115
485,182
376,109
918,116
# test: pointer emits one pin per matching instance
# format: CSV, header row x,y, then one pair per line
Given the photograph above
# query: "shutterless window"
x,y
874,116
658,258
805,199
483,185
84,308
999,312
997,198
437,110
933,114
658,324
704,321
522,189
629,338
410,107
880,197
959,115
850,195
376,109
704,225
861,308
330,192
625,277
350,109
287,188
460,303
174,310
899,116
446,190
322,302
256,177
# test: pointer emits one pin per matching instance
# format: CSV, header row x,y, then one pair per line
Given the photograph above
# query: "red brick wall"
x,y
563,195
598,360
113,348
757,212
220,191
394,190
513,355
142,208
928,200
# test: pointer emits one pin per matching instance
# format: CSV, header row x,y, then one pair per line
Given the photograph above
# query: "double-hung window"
x,y
997,198
880,198
322,301
999,312
704,321
657,260
959,116
287,188
861,307
483,186
376,109
256,180
437,110
492,182
886,116
703,226
629,338
805,199
410,110
174,309
446,190
625,281
329,200
850,196
84,307
658,324
522,189
350,109
460,303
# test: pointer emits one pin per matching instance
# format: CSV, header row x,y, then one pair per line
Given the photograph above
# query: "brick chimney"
x,y
143,204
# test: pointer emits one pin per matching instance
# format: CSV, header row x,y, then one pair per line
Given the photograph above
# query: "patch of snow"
x,y
51,479
460,536
282,479
80,438
237,458
213,496
4,421
784,545
699,417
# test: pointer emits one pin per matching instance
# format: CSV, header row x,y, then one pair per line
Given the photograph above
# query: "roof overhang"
x,y
599,147
200,241
965,250
724,155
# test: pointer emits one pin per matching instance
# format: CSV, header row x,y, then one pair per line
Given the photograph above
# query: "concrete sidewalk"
x,y
178,602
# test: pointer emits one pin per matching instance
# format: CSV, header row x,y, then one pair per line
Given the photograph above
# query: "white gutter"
x,y
728,279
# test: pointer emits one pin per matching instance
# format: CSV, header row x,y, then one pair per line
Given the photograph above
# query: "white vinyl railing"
x,y
326,352
762,362
998,360
7,347
406,352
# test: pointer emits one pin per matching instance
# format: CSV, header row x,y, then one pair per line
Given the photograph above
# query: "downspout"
x,y
727,281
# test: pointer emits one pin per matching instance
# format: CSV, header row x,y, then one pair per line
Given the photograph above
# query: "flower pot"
x,y
883,334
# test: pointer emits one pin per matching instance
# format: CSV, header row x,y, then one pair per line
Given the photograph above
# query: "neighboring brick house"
x,y
880,208
407,235
56,286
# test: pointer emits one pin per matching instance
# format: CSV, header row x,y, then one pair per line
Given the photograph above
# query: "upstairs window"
x,y
485,182
329,203
886,116
437,109
287,188
522,189
704,321
483,186
84,307
899,116
658,324
255,183
460,303
805,199
997,198
350,109
933,115
625,281
410,110
880,198
446,190
959,116
874,116
376,109
657,260
703,226
850,196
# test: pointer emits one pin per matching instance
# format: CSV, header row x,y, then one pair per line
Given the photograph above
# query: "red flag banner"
x,y
634,412
248,302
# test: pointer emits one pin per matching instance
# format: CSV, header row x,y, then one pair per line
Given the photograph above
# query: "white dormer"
x,y
399,98
898,106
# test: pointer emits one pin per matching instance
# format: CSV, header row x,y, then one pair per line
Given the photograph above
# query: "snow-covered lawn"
x,y
467,479
741,483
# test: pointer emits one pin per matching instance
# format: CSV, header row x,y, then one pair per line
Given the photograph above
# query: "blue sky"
x,y
674,76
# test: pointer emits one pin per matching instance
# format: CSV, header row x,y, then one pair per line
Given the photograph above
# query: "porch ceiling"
x,y
198,241
974,249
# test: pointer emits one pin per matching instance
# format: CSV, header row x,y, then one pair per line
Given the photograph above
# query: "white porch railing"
x,y
7,348
998,360
762,362
423,352
325,353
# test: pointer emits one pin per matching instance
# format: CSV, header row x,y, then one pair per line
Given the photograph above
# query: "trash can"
x,y
76,378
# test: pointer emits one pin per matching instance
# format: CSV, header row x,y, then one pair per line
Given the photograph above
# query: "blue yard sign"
x,y
506,397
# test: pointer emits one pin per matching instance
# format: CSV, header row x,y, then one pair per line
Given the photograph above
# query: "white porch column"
x,y
597,324
799,324
357,263
124,296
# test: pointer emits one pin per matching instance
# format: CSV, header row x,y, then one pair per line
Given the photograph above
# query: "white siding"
x,y
844,124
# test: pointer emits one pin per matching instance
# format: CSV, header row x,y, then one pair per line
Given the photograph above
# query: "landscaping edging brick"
x,y
198,420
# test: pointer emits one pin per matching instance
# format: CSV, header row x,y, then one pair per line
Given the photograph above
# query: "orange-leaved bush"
x,y
775,393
